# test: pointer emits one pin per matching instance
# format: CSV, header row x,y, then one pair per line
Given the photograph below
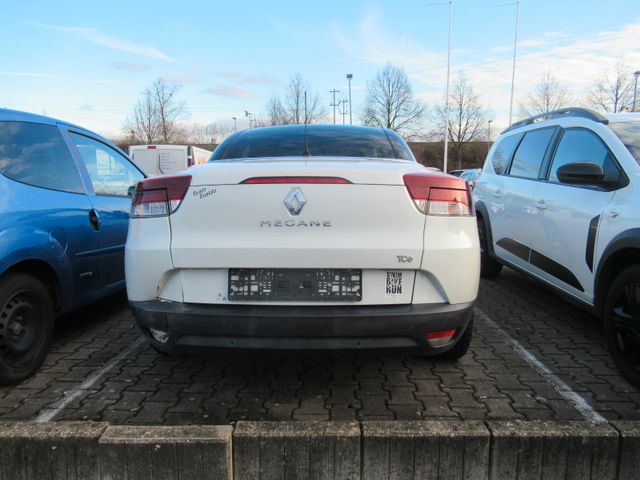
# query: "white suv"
x,y
558,199
305,237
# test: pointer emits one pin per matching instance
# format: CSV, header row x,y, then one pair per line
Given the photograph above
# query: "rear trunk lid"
x,y
369,222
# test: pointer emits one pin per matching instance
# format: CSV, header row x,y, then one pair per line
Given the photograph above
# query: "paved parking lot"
x,y
533,356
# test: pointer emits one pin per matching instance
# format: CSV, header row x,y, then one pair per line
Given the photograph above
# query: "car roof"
x,y
623,117
8,115
312,127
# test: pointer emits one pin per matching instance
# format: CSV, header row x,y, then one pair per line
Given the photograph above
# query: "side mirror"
x,y
131,190
581,173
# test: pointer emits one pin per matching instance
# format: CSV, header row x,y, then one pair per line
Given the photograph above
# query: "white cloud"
x,y
131,66
371,42
94,36
29,74
226,91
575,61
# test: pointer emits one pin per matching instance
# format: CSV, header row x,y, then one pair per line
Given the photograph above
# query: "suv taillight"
x,y
159,196
439,194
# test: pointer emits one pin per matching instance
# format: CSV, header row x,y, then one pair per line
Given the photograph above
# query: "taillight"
x,y
159,196
440,338
439,194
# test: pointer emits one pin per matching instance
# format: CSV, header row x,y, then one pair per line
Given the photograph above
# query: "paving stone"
x,y
437,407
491,381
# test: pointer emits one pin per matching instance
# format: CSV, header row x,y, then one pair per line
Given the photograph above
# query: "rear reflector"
x,y
266,180
439,338
439,194
159,196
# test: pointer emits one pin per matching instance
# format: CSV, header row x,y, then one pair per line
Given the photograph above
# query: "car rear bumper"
x,y
193,326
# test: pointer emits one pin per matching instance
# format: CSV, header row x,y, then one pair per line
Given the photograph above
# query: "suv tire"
x,y
489,266
622,323
26,326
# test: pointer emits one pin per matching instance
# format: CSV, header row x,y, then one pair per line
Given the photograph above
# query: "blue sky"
x,y
88,65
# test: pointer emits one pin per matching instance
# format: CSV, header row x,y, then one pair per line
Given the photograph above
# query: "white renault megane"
x,y
305,237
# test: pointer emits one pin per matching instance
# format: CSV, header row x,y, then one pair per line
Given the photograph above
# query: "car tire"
x,y
622,323
26,326
489,266
462,345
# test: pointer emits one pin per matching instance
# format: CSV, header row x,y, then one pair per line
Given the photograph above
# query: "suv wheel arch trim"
x,y
627,239
484,215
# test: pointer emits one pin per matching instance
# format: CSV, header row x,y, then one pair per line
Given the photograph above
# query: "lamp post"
x,y
635,89
513,69
446,100
489,136
349,77
249,115
235,124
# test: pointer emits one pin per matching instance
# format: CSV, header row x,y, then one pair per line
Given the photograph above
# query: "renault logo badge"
x,y
294,201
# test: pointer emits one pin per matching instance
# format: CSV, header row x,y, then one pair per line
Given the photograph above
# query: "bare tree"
x,y
291,108
211,133
143,123
294,102
390,102
615,94
157,114
548,95
170,110
467,117
276,113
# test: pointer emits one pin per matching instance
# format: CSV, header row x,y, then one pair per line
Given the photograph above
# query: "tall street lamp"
x,y
446,97
235,124
489,135
513,69
635,89
349,77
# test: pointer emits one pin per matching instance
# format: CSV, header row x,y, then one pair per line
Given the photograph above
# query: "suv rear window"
x,y
321,141
629,134
503,152
37,155
530,153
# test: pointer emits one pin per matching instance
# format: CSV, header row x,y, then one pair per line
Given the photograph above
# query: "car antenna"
x,y
306,145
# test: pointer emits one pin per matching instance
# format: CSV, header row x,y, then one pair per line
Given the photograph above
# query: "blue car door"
x,y
46,213
113,178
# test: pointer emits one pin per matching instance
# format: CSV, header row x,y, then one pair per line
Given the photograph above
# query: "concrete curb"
x,y
322,450
318,450
132,453
407,449
65,450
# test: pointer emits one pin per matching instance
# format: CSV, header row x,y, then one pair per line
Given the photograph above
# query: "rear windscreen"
x,y
629,133
320,142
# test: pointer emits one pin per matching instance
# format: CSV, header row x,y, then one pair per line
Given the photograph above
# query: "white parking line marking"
x,y
579,402
74,393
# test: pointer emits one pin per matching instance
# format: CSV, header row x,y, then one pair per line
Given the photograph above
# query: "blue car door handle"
x,y
94,219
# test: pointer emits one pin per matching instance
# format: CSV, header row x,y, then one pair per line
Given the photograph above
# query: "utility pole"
x,y
305,108
334,104
349,78
635,89
344,102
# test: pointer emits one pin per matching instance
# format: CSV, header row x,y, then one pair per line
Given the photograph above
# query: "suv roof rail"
x,y
569,112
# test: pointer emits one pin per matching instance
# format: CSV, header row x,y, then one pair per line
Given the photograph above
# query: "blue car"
x,y
65,196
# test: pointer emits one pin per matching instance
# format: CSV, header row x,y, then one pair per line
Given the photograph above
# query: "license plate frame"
x,y
295,284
